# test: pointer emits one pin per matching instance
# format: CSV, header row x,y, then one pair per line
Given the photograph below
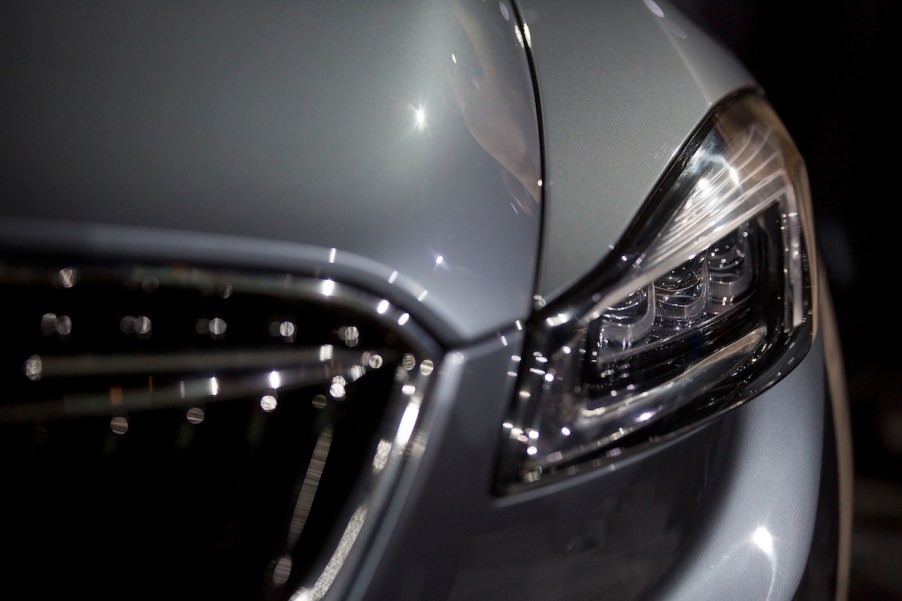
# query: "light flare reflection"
x,y
419,117
275,380
764,540
268,403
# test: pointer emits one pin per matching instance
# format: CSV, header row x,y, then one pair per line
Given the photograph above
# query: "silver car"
x,y
408,301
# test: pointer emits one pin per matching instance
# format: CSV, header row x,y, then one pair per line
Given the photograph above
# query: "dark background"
x,y
827,68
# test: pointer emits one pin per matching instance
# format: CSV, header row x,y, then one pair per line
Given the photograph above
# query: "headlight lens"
x,y
705,303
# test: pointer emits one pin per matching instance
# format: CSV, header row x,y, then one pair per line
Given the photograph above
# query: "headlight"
x,y
706,302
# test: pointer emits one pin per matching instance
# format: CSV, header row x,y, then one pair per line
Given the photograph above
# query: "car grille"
x,y
175,432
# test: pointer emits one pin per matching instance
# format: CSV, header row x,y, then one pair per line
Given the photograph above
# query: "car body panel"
x,y
352,142
621,86
727,511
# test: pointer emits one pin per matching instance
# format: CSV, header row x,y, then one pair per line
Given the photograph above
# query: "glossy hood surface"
x,y
622,85
395,145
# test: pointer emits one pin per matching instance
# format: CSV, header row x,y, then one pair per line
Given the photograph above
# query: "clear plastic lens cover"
x,y
704,304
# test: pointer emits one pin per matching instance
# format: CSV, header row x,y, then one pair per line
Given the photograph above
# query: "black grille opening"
x,y
169,432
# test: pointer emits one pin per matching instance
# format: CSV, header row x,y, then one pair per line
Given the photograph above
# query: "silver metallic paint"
x,y
680,521
283,130
620,90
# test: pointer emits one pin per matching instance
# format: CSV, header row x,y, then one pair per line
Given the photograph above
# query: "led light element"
x,y
706,302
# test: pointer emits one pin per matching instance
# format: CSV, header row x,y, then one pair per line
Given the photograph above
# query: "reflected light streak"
x,y
302,594
381,458
327,287
308,488
408,420
647,415
269,403
654,8
282,570
214,386
419,117
675,29
337,560
275,380
763,539
556,320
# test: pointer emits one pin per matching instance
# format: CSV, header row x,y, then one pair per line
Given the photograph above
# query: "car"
x,y
396,301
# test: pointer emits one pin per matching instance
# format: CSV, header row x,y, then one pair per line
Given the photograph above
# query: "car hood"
x,y
395,147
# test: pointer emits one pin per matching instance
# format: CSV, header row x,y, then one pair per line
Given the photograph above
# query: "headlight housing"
x,y
706,302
